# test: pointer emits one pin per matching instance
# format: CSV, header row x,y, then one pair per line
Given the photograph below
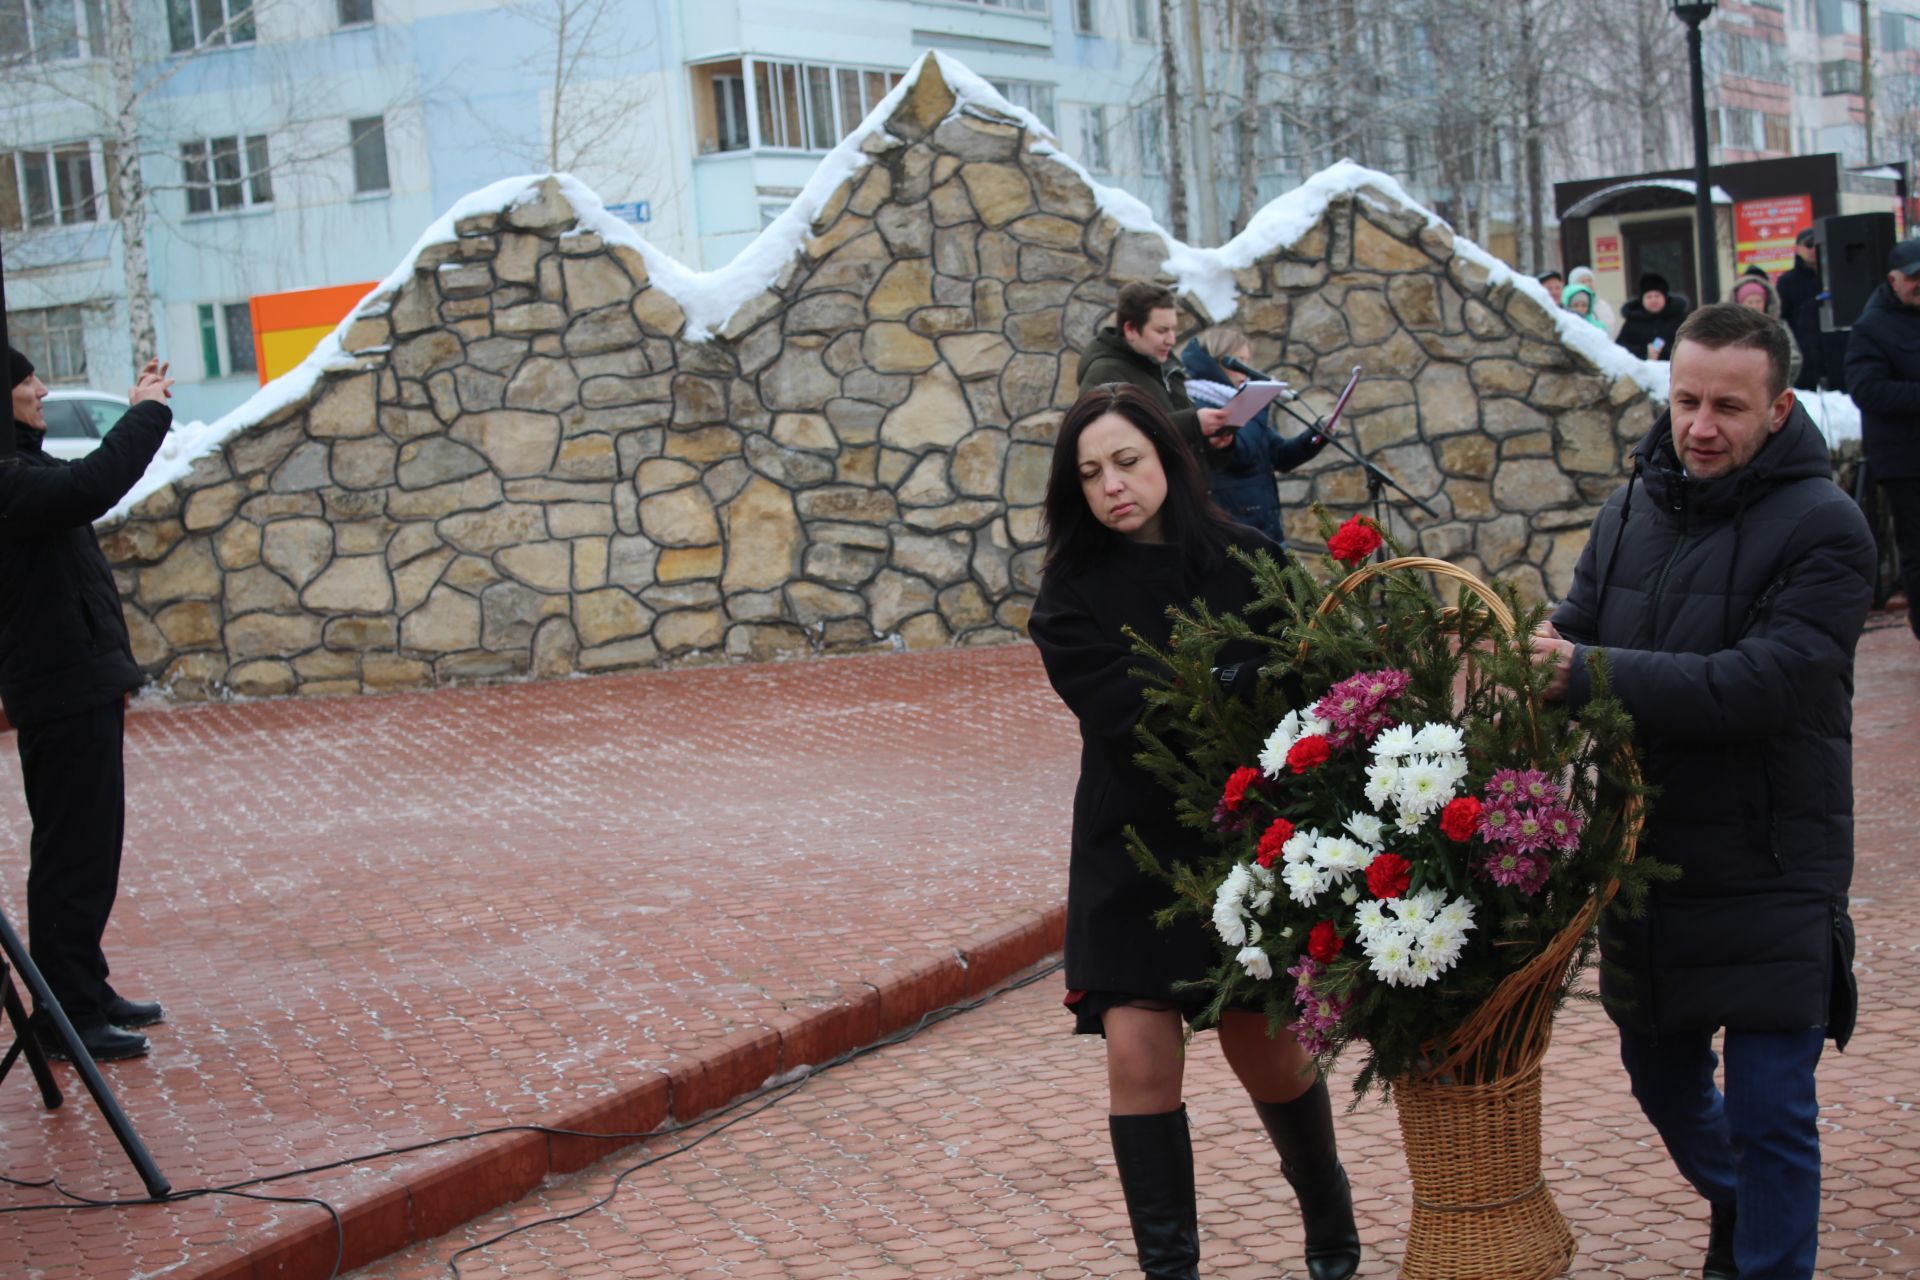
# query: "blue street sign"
x,y
633,210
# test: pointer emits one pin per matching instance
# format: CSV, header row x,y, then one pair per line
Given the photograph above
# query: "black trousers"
x,y
1903,502
76,797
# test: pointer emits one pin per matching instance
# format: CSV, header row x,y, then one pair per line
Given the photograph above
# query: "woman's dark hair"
x,y
1188,519
1138,301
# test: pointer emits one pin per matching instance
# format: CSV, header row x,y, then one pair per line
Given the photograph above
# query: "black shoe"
x,y
1302,1132
103,1042
1720,1264
122,1012
1154,1156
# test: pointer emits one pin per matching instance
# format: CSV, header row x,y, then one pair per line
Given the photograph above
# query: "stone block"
x,y
351,584
515,442
270,635
683,517
482,533
345,408
904,287
609,615
976,355
1529,485
935,413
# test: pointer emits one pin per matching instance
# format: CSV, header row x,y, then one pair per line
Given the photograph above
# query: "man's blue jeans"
x,y
1756,1147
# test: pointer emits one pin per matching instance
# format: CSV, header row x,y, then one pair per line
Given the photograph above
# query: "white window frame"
x,y
355,137
250,179
837,106
87,16
229,11
32,331
1095,151
56,185
1033,95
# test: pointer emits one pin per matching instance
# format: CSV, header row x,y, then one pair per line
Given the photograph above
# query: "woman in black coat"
x,y
1130,533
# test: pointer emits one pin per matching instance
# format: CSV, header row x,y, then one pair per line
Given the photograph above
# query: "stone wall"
x,y
521,464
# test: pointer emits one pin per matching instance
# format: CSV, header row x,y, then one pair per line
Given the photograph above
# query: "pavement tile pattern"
x,y
378,920
979,1148
375,921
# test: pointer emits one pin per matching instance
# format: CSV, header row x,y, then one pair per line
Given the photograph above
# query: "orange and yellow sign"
x,y
1763,231
288,326
1606,253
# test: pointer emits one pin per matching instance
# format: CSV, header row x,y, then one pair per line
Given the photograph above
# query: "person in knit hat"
x,y
66,668
1603,311
1652,318
1756,293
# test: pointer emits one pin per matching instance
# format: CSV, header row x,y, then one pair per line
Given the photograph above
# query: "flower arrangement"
x,y
1398,819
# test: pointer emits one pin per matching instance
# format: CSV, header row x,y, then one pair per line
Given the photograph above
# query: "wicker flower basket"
x,y
1471,1121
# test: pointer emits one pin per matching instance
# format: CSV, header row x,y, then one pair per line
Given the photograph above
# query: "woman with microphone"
x,y
1241,478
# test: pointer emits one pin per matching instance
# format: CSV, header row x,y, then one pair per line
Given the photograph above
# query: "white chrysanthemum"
x,y
1253,933
1305,882
1421,787
1260,901
1229,915
1457,914
1420,968
1367,829
1300,846
1256,962
1350,894
1438,739
1371,916
1408,823
1394,743
1454,770
1388,956
1339,854
1383,776
1418,908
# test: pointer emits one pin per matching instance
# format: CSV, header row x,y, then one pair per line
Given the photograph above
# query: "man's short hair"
x,y
1138,301
1728,324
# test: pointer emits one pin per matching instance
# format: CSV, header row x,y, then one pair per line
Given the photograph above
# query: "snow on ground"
x,y
709,298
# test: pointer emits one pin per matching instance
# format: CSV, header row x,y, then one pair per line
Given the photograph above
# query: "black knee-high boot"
x,y
1302,1132
1154,1155
1720,1264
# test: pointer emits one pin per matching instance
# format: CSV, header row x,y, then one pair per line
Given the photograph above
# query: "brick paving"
x,y
583,903
978,1148
378,920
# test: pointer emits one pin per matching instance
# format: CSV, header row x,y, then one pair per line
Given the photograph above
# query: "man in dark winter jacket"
x,y
1726,585
65,669
1883,377
1136,349
1650,320
1799,288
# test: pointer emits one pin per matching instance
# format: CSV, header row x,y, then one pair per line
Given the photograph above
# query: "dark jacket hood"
x,y
1677,304
1201,364
1797,451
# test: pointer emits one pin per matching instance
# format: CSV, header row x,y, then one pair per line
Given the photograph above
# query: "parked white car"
x,y
78,420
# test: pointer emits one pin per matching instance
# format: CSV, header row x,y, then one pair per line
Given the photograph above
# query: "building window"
x,y
50,188
809,107
1842,75
1146,133
1140,17
1028,6
1028,94
238,317
720,107
1837,17
355,13
51,30
1083,19
194,24
1737,129
55,339
221,174
368,138
1093,137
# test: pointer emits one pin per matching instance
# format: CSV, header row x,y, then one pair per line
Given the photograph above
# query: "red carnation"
x,y
1388,874
1309,752
1236,791
1324,943
1460,819
1273,840
1354,541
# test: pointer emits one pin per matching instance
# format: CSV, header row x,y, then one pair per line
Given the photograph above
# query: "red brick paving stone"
x,y
379,920
983,1140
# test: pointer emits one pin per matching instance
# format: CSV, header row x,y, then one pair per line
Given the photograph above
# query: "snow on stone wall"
x,y
542,447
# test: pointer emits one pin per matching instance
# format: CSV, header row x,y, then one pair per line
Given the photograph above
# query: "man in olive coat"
x,y
1726,585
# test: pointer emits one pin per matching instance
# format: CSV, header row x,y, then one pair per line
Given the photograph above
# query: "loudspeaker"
x,y
1853,263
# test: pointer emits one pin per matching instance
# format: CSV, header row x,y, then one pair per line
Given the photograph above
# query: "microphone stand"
x,y
1378,481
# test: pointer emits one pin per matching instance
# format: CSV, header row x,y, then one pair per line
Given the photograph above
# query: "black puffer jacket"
x,y
63,638
1883,377
1078,623
1639,326
1729,610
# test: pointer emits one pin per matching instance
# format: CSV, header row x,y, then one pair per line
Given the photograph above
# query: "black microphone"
x,y
1241,366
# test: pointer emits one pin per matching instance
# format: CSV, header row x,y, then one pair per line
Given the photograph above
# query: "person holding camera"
x,y
66,668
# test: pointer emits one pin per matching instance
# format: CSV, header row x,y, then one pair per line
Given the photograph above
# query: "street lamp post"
x,y
1693,13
